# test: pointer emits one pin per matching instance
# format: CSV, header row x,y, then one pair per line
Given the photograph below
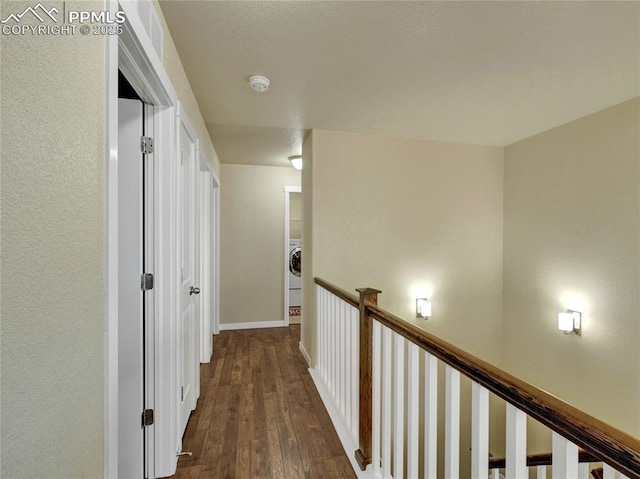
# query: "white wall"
x,y
252,242
52,332
571,237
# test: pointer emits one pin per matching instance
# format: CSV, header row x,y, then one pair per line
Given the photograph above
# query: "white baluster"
x,y
340,341
413,411
516,466
541,472
565,458
328,339
583,470
325,338
376,389
334,348
330,344
348,381
607,471
355,371
495,473
452,424
479,432
398,417
336,354
386,403
346,356
430,416
316,291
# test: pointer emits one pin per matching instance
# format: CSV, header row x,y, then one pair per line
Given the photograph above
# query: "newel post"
x,y
368,296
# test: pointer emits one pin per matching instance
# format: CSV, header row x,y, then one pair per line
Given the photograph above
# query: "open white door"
x,y
131,296
188,290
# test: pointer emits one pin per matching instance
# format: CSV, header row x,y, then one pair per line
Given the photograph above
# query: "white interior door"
x,y
130,295
186,328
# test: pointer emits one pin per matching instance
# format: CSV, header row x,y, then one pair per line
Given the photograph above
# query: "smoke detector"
x,y
259,83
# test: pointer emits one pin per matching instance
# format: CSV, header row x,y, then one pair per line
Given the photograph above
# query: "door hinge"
x,y
146,281
146,144
147,417
181,393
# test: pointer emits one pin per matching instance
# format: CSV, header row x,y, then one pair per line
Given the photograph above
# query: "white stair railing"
x,y
371,365
338,358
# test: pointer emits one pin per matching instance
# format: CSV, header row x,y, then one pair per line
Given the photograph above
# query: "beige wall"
x,y
252,242
572,230
308,325
180,82
52,331
410,218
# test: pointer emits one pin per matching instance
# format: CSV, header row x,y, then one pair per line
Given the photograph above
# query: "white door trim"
x,y
111,256
206,273
215,238
133,53
287,202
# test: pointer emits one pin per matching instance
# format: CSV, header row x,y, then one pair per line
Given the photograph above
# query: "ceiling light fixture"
x,y
259,83
296,161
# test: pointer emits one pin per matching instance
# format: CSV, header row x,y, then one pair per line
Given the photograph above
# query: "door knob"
x,y
194,291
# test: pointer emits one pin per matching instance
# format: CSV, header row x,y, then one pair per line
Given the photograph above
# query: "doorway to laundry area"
x,y
293,255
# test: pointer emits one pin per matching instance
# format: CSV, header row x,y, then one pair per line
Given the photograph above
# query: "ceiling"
x,y
470,72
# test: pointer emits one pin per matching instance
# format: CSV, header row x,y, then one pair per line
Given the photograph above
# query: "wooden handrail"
x,y
543,459
616,448
352,299
612,446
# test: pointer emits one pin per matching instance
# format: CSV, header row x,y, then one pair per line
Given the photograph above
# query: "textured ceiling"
x,y
470,72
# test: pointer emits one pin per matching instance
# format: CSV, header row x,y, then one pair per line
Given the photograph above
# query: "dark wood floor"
x,y
259,414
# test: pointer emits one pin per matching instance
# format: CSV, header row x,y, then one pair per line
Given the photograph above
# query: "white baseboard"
x,y
341,428
304,352
254,325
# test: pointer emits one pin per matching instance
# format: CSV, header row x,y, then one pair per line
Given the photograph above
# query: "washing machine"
x,y
295,270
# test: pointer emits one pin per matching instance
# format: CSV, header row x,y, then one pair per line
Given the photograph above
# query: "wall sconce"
x,y
423,308
570,322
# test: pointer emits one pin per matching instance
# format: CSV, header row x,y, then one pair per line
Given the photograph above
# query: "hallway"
x,y
259,414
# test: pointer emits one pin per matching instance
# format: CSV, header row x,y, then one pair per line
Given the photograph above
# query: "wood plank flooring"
x,y
259,414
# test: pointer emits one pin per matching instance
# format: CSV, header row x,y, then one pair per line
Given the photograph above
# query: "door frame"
x,y
133,54
287,202
215,252
209,251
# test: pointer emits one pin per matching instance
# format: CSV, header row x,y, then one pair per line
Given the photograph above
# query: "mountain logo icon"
x,y
39,11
